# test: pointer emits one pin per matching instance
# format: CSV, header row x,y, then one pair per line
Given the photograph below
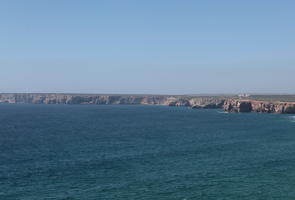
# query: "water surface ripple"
x,y
112,152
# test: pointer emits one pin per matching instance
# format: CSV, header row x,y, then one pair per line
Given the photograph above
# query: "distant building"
x,y
243,95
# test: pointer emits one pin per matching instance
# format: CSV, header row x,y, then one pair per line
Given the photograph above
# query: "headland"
x,y
283,104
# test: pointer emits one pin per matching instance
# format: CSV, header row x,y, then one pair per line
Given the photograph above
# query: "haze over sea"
x,y
112,152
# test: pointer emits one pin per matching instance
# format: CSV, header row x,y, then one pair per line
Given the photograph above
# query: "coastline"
x,y
229,103
169,100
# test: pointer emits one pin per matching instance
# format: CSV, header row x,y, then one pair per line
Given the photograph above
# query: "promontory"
x,y
284,104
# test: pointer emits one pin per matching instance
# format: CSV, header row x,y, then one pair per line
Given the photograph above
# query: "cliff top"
x,y
272,98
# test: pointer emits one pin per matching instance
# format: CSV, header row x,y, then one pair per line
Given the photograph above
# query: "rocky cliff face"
x,y
194,102
236,105
229,104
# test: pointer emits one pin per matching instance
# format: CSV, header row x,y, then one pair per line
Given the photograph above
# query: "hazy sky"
x,y
147,46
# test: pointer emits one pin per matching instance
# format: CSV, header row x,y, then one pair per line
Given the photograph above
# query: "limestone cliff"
x,y
237,105
228,103
190,101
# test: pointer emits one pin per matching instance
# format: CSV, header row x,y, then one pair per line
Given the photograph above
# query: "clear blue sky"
x,y
148,46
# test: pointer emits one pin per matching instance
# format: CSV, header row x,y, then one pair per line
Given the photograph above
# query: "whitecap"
x,y
222,112
292,118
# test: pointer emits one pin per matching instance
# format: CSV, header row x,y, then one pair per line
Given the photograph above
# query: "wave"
x,y
292,118
223,112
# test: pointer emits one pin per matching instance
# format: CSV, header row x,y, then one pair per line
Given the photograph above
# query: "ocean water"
x,y
113,152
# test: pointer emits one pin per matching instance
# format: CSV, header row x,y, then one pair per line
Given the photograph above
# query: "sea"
x,y
144,152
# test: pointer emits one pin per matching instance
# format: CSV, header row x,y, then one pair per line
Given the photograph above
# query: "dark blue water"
x,y
91,152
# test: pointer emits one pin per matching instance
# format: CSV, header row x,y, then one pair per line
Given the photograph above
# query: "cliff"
x,y
190,101
228,103
244,105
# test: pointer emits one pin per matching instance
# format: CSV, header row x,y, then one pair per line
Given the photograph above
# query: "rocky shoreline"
x,y
195,102
237,105
228,103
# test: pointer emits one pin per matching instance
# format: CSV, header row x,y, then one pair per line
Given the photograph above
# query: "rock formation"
x,y
237,105
190,101
229,104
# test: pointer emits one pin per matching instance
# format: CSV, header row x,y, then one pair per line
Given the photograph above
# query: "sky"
x,y
147,46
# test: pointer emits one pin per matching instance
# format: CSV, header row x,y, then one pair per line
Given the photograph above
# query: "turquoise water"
x,y
112,152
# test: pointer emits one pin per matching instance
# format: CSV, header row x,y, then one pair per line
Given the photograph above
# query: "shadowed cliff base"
x,y
230,103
